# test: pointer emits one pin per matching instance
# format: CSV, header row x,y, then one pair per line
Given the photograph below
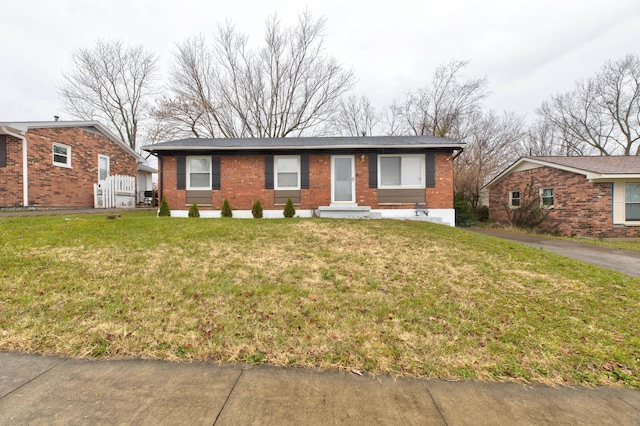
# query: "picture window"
x,y
401,171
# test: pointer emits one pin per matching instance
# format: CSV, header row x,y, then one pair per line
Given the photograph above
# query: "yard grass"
x,y
396,297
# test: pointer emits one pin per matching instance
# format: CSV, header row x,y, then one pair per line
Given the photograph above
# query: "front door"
x,y
343,182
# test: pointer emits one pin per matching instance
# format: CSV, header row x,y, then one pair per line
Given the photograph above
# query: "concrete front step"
x,y
364,212
343,212
423,218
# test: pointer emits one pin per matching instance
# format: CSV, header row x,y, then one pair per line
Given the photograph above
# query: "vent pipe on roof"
x,y
56,117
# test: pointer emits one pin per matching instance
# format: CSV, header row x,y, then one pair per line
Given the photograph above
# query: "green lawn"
x,y
397,297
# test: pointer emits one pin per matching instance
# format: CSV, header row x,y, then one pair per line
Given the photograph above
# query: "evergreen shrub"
x,y
164,207
289,211
193,210
226,209
256,210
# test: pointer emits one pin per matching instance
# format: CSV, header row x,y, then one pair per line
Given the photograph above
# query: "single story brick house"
x,y
55,164
377,177
586,196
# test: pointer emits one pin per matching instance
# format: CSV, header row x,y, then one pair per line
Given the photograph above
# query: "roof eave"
x,y
505,173
591,176
26,125
151,148
609,177
12,128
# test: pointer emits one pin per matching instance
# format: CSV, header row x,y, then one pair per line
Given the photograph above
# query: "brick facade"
x,y
11,175
242,182
55,186
581,207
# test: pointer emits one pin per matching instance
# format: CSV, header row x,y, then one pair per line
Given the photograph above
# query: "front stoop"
x,y
343,212
421,218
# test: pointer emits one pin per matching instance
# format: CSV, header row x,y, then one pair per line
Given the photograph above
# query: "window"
x,y
103,167
61,155
198,172
546,197
287,172
514,199
401,171
632,201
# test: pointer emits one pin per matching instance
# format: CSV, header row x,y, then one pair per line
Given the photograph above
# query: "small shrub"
x,y
193,210
226,209
164,207
256,209
530,214
289,211
482,213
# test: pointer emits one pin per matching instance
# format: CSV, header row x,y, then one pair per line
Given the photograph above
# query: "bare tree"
x,y
542,138
111,83
442,107
490,148
602,113
354,117
224,89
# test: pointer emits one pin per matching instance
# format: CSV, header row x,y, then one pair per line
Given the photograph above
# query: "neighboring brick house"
x,y
56,163
324,176
586,196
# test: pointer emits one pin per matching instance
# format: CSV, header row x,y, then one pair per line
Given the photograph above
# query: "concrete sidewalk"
x,y
51,390
616,259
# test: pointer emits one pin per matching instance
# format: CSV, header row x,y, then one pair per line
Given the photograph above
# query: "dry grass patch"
x,y
392,297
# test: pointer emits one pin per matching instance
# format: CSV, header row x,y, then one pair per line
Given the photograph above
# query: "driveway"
x,y
616,259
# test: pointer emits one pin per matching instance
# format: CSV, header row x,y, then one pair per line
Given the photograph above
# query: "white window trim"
x,y
511,206
619,203
275,172
629,221
542,200
188,170
100,156
422,171
53,157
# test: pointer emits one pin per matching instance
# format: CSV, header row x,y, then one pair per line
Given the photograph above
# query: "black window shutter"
x,y
268,172
3,150
304,171
431,169
373,170
181,172
215,173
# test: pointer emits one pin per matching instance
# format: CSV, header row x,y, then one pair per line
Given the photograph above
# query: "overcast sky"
x,y
528,50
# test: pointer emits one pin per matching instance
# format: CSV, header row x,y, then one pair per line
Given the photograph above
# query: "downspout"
x,y
457,154
25,165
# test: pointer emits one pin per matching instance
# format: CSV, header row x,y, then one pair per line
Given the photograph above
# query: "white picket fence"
x,y
115,191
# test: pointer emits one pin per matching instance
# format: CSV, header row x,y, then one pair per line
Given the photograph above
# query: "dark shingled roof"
x,y
311,143
627,164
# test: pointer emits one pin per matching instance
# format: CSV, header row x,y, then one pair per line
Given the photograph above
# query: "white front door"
x,y
343,181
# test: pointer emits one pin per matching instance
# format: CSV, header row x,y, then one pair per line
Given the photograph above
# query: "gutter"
x,y
25,165
152,150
